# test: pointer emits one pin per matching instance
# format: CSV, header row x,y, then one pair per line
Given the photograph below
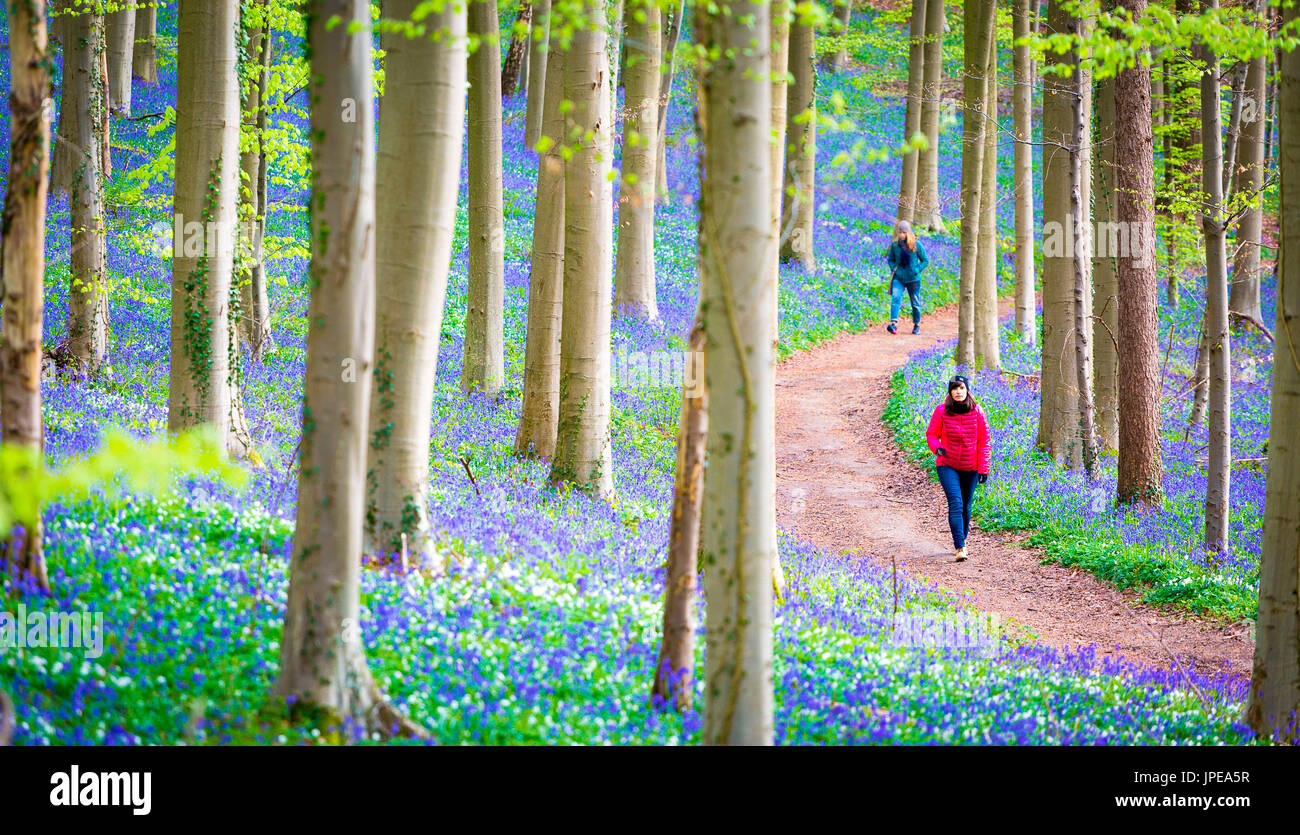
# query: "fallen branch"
x,y
464,462
1253,322
1018,374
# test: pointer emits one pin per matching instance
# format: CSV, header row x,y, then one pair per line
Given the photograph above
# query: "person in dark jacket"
x,y
907,259
958,436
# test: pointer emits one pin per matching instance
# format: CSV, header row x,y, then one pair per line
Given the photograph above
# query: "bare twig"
x,y
1253,322
464,462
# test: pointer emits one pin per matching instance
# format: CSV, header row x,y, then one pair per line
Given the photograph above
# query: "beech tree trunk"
x,y
1105,350
779,26
87,297
513,67
912,115
927,215
484,367
65,160
1274,701
322,660
634,274
539,413
671,23
1141,470
1022,98
1217,335
1237,83
675,670
1059,413
255,306
121,47
582,454
144,55
23,237
1244,298
421,129
204,382
976,42
1079,211
800,149
836,58
538,54
988,352
737,517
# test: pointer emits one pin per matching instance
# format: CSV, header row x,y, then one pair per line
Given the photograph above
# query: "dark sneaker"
x,y
916,329
892,328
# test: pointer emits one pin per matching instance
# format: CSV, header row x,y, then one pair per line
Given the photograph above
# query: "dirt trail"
x,y
844,484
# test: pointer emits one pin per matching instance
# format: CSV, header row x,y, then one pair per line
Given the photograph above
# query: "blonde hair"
x,y
903,232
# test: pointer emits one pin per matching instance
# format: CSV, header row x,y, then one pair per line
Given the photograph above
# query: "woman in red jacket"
x,y
959,438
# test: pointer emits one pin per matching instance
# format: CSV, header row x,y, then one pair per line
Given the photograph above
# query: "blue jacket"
x,y
906,265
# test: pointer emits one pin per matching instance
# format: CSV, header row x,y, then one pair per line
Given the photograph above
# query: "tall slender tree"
x,y
582,454
204,381
1141,471
513,68
121,48
23,239
539,412
537,47
87,296
1217,335
634,272
1244,298
1273,709
912,114
671,23
736,247
1079,214
675,670
800,144
928,215
1063,231
421,127
988,350
1022,98
484,367
255,306
836,56
323,666
1105,347
144,57
976,38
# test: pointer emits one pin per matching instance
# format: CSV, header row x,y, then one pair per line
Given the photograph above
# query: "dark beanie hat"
x,y
957,378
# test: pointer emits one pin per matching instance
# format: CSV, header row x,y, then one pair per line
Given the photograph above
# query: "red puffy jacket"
x,y
964,438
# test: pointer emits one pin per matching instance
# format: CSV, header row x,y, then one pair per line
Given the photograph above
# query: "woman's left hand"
x,y
984,477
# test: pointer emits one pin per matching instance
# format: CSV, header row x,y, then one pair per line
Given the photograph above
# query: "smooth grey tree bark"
x,y
800,149
144,57
539,412
1022,98
976,44
255,306
738,518
537,55
421,129
912,114
583,456
1217,334
323,667
484,366
928,215
1105,349
1244,299
23,286
204,377
121,48
988,349
634,270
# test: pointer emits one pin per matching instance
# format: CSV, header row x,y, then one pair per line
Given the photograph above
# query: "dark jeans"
x,y
896,288
959,487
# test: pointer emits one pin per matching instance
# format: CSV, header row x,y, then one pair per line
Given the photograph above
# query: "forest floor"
x,y
844,484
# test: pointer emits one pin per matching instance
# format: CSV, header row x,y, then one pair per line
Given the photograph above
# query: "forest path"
x,y
843,484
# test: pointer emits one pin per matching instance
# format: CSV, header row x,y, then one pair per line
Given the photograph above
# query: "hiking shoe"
x,y
916,329
961,554
892,328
